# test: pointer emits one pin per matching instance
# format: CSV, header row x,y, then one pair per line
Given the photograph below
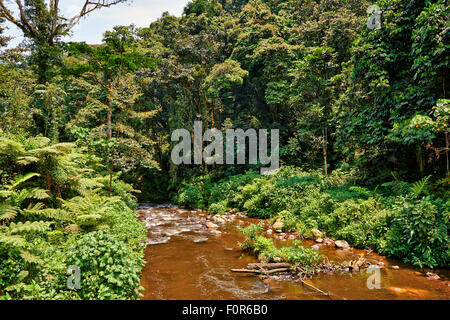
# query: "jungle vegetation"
x,y
363,116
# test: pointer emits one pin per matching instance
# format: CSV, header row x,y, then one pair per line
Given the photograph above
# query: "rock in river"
x,y
278,226
219,219
433,276
316,233
341,244
211,225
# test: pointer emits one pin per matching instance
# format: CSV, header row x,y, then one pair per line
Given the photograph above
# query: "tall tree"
x,y
43,24
15,89
110,68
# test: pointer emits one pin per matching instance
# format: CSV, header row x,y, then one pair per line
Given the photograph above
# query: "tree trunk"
x,y
447,146
419,158
47,119
110,162
325,142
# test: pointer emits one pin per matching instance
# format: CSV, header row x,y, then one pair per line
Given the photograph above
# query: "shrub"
x,y
298,255
418,233
109,269
37,227
360,222
218,208
265,249
190,197
290,221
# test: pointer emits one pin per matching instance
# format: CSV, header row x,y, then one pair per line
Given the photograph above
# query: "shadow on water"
x,y
187,262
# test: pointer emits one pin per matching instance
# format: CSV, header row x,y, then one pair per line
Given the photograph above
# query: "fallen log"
x,y
268,266
277,270
261,271
245,271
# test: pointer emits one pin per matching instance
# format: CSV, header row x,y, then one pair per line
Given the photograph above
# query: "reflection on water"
x,y
185,261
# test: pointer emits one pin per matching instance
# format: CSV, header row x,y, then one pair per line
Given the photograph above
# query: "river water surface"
x,y
185,261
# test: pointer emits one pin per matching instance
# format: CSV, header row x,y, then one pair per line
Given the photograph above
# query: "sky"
x,y
91,29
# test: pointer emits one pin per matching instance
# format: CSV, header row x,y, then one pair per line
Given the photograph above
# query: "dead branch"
x,y
314,288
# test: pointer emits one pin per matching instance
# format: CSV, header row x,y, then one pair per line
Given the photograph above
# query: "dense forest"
x,y
85,131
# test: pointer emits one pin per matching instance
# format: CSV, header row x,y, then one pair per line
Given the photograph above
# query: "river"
x,y
185,261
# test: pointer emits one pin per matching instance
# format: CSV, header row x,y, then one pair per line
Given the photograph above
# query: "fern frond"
x,y
50,213
10,147
39,194
22,179
31,258
419,187
26,160
36,226
13,240
88,219
5,193
8,212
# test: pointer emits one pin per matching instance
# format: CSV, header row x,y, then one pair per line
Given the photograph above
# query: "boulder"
x,y
315,247
73,228
319,240
200,240
278,226
433,276
341,244
269,232
211,225
316,233
219,219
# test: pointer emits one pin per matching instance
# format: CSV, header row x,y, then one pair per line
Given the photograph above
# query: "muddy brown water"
x,y
187,262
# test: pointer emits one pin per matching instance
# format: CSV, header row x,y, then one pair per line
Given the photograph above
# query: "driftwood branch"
x,y
314,288
261,271
272,268
265,268
268,266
